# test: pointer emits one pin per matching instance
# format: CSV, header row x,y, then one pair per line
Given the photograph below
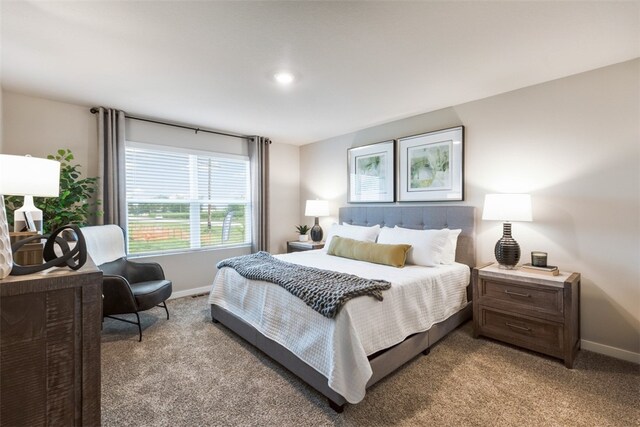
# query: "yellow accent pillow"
x,y
393,255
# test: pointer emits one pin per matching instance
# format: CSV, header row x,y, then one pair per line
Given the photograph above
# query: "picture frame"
x,y
371,173
431,166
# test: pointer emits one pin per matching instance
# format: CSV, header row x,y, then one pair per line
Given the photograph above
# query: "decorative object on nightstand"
x,y
297,246
540,313
538,259
549,270
507,208
316,208
24,176
539,265
302,231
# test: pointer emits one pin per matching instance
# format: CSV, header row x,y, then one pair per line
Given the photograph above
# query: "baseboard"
x,y
607,350
189,292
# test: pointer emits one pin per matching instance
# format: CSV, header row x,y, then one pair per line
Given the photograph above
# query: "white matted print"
x,y
371,173
431,166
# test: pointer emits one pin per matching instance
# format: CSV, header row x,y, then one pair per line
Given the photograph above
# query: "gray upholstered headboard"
x,y
421,218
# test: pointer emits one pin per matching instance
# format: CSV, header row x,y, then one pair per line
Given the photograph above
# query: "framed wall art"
x,y
431,166
371,173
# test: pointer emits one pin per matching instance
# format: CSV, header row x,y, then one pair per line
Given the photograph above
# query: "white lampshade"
x,y
23,176
507,207
29,176
317,208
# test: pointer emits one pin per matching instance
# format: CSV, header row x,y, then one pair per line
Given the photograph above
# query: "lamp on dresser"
x,y
24,176
507,208
316,208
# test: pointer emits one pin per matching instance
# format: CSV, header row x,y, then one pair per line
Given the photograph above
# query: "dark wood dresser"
x,y
50,348
533,311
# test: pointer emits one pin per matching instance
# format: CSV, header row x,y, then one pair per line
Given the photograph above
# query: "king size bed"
x,y
368,339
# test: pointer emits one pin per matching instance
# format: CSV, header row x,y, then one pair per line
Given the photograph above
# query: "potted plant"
x,y
73,205
302,231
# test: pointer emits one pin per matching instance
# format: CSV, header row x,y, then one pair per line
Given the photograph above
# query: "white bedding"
x,y
337,348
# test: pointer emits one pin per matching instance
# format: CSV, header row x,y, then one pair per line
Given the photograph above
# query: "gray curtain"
x,y
111,167
259,159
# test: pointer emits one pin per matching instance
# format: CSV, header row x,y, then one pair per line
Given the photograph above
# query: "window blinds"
x,y
179,199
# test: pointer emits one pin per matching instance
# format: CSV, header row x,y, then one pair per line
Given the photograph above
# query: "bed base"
x,y
382,363
387,361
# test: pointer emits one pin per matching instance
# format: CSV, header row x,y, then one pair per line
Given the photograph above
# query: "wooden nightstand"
x,y
297,246
533,311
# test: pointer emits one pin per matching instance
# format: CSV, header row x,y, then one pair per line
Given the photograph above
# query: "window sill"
x,y
187,251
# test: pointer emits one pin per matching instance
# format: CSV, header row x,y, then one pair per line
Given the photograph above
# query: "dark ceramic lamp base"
x,y
507,250
316,232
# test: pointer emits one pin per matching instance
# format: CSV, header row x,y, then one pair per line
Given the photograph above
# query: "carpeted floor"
x,y
189,372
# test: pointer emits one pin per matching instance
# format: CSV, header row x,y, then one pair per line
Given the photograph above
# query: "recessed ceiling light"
x,y
284,78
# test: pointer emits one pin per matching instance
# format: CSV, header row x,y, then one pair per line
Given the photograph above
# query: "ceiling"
x,y
357,64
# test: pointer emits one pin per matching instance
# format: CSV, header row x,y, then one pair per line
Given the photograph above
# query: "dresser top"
x,y
494,270
53,272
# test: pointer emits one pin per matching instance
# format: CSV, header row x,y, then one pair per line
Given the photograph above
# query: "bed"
x,y
341,357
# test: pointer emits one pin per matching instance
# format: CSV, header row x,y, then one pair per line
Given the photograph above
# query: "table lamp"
x,y
24,176
507,208
316,208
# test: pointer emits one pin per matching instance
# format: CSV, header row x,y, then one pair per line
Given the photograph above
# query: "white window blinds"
x,y
181,199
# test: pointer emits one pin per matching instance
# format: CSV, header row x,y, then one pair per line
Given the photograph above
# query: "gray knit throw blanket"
x,y
323,290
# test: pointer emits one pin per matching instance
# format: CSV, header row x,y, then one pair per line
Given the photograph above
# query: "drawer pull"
x,y
517,294
522,328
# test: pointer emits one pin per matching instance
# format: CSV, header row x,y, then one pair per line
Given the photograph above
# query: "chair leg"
x,y
129,321
164,305
139,327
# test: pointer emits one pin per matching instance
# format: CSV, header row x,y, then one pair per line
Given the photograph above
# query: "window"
x,y
181,199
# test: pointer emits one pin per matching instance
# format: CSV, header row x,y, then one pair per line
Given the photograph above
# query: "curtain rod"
x,y
94,110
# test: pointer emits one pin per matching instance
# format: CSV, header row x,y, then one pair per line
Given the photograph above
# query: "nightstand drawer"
x,y
535,334
534,298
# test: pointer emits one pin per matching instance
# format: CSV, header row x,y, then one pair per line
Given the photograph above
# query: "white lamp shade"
x,y
29,176
317,208
507,207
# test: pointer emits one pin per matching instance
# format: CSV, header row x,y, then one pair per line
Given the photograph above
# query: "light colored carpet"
x,y
189,372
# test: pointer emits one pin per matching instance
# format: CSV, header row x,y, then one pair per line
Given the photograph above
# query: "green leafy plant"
x,y
302,229
74,205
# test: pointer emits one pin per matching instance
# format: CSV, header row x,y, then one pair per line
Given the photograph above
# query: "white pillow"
x,y
356,232
449,250
426,245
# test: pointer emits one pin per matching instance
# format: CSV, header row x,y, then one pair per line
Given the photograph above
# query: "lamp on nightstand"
x,y
24,176
316,208
507,208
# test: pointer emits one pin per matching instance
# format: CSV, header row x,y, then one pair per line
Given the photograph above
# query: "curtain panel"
x,y
111,167
259,160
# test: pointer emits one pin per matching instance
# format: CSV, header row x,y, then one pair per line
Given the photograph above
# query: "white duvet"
x,y
337,348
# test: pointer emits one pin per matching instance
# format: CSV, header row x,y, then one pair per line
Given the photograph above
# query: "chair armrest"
x,y
118,296
144,271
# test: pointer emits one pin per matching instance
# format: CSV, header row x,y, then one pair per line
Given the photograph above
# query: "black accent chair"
x,y
127,287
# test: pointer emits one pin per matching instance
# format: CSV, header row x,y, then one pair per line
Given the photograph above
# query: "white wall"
x,y
153,133
574,144
39,126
